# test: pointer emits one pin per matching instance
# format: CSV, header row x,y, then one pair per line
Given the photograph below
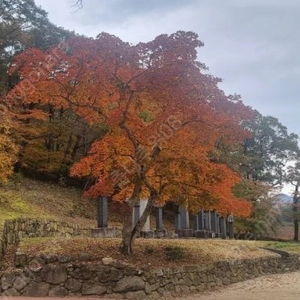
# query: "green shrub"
x,y
174,253
149,250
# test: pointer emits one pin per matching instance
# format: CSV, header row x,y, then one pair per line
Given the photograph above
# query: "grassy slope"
x,y
29,198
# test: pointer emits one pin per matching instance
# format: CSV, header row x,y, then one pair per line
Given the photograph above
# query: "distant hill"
x,y
284,198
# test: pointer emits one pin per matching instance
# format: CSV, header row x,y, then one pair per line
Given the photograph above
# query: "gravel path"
x,y
272,287
275,287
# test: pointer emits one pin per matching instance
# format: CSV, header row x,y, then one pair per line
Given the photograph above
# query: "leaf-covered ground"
x,y
151,253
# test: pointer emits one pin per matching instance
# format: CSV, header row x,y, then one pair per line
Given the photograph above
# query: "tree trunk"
x,y
75,148
295,214
67,151
296,230
126,244
130,233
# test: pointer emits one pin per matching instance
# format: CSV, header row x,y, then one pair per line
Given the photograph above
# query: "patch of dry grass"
x,y
148,253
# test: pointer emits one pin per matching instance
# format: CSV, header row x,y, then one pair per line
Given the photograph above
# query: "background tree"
x,y
50,145
268,151
261,160
23,25
8,149
293,178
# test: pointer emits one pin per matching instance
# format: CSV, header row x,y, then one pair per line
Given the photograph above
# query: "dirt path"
x,y
272,287
275,287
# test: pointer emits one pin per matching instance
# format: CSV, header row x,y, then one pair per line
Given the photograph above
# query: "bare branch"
x,y
79,4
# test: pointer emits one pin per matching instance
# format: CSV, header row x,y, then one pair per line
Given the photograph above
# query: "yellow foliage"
x,y
8,152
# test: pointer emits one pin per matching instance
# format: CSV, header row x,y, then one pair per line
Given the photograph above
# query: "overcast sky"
x,y
253,45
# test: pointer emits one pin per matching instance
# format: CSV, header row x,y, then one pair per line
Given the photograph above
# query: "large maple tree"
x,y
163,111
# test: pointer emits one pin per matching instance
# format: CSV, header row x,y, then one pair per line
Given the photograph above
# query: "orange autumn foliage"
x,y
164,115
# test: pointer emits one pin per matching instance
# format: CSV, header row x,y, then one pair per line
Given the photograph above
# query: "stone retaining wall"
x,y
14,230
117,279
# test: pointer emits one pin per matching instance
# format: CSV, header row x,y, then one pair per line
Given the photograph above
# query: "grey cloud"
x,y
252,44
112,12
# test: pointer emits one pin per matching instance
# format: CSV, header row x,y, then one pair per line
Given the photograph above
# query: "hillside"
x,y
28,198
285,199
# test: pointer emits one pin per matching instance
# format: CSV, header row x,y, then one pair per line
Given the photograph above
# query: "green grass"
x,y
14,205
291,246
29,198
